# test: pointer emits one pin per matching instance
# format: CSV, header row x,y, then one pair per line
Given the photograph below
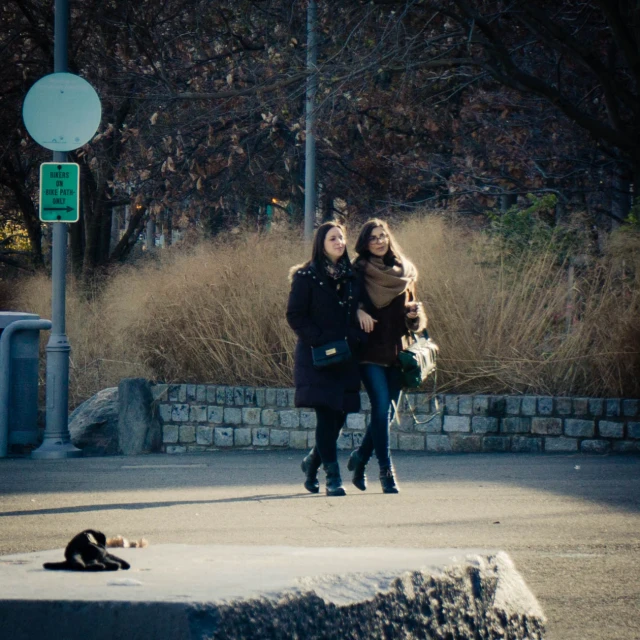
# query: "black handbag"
x,y
331,354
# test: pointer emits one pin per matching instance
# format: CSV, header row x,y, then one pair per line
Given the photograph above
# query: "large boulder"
x,y
94,424
118,420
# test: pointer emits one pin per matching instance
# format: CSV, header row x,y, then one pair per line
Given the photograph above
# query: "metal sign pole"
x,y
57,440
310,143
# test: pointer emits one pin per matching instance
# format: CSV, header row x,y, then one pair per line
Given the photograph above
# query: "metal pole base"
x,y
56,442
56,450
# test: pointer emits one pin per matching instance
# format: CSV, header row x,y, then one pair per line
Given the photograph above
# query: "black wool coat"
x,y
315,314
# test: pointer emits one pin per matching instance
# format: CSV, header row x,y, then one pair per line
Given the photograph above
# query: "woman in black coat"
x,y
322,308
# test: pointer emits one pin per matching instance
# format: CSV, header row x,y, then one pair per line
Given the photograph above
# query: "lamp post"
x,y
310,141
57,440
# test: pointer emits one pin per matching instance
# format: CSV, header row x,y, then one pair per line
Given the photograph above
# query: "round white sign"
x,y
62,112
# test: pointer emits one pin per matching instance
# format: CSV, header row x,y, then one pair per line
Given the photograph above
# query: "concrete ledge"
x,y
182,592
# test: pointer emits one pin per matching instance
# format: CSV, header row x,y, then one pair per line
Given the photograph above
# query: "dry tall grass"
x,y
214,313
504,329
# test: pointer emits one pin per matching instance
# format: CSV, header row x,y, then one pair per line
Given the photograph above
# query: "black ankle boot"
x,y
310,466
334,481
388,480
357,465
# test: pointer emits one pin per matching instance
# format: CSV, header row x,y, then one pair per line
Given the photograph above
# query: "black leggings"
x,y
329,424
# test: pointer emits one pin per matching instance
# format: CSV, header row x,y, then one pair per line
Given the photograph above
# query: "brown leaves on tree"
x,y
444,103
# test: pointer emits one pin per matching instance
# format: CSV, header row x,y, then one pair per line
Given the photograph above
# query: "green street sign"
x,y
59,192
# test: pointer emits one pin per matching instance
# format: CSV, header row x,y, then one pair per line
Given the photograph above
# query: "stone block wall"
x,y
212,417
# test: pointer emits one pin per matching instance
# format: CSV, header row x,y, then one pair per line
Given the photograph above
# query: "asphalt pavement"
x,y
571,523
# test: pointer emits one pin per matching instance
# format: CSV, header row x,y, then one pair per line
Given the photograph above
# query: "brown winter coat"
x,y
392,331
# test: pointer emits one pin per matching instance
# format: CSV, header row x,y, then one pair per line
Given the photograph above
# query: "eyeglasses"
x,y
382,238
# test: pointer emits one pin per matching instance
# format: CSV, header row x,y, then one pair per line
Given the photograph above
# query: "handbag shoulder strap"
x,y
422,334
434,394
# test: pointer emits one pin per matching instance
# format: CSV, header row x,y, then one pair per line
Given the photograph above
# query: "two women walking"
x,y
372,304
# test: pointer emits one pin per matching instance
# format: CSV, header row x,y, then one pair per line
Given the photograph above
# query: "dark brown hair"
x,y
317,250
394,252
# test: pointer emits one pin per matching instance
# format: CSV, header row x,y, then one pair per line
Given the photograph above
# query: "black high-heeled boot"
x,y
388,480
357,465
334,481
310,466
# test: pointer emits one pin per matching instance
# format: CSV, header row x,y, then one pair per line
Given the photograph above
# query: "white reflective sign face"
x,y
62,112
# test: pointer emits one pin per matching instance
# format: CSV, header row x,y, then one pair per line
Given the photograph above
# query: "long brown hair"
x,y
317,248
394,253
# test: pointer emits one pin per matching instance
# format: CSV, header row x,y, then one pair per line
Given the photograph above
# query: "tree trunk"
x,y
168,227
115,230
76,244
326,204
34,231
105,235
636,188
47,238
508,200
131,234
92,229
620,198
151,234
560,210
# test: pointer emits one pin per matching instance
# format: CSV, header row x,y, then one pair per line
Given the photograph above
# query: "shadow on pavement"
x,y
613,481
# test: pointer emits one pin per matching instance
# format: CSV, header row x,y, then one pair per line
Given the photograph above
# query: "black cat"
x,y
87,552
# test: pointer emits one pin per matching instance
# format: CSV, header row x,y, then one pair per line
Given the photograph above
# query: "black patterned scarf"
x,y
337,271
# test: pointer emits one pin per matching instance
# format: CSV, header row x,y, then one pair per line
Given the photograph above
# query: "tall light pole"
x,y
310,141
57,440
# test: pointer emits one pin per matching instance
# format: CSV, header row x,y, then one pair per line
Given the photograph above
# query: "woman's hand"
x,y
413,310
366,321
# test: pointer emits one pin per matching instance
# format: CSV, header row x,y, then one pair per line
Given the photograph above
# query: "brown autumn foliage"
x,y
439,102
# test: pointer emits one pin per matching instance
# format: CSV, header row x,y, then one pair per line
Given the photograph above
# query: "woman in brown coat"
x,y
388,312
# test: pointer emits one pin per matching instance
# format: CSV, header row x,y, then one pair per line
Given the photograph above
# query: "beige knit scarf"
x,y
384,283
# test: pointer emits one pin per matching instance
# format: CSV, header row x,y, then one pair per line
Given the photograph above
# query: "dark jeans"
x,y
328,427
383,384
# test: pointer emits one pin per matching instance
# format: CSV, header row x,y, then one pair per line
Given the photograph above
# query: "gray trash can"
x,y
23,385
